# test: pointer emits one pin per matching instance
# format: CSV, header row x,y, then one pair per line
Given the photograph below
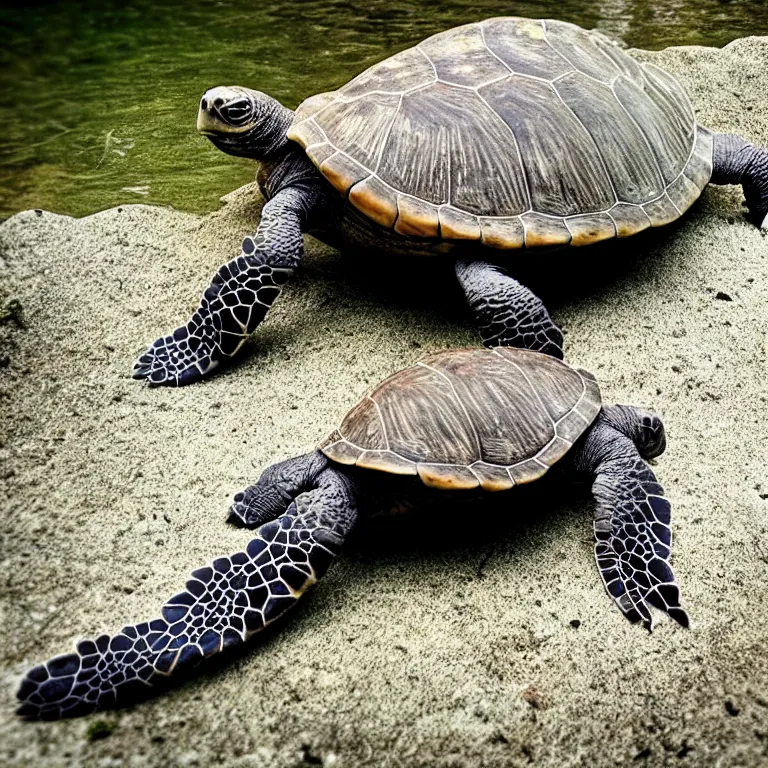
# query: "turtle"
x,y
492,143
460,424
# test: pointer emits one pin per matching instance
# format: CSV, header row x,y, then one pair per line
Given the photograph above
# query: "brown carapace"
x,y
513,132
488,418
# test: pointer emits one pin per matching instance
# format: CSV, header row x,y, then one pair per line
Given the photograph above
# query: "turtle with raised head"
x,y
464,422
481,141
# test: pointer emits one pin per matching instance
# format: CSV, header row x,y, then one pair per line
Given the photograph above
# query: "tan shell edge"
x,y
413,217
343,452
307,133
489,477
448,477
377,201
492,476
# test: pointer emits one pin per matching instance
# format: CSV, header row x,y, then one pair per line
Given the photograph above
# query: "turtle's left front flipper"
x,y
736,161
238,298
632,522
223,605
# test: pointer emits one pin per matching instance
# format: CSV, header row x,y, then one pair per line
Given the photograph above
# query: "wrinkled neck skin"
x,y
264,141
287,167
283,163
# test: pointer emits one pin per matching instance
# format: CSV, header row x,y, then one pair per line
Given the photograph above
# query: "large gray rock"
x,y
456,647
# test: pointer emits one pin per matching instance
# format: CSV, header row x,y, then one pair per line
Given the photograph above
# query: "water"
x,y
98,99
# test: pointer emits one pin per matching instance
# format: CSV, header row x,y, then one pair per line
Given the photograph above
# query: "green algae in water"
x,y
98,100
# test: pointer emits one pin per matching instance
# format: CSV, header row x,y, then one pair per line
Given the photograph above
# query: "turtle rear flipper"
x,y
633,538
222,605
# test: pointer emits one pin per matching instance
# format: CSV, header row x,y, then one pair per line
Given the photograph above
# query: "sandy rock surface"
x,y
488,641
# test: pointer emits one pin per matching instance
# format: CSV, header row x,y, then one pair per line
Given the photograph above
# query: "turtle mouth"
x,y
212,125
233,144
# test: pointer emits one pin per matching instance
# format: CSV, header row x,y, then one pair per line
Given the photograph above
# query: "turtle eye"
x,y
236,112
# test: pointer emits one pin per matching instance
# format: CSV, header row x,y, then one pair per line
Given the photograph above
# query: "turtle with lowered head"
x,y
460,424
480,141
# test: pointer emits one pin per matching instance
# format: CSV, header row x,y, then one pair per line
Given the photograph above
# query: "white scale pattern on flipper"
x,y
633,542
223,604
234,304
229,311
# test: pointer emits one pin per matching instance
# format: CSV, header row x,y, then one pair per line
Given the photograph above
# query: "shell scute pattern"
x,y
545,231
492,418
398,74
626,65
635,177
579,49
655,125
510,117
461,57
360,126
521,45
402,402
562,163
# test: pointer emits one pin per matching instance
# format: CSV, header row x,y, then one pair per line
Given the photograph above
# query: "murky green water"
x,y
98,99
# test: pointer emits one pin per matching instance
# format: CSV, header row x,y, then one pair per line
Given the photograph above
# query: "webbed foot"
x,y
237,300
181,358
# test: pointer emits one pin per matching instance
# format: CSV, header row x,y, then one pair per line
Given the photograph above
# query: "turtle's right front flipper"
x,y
633,539
223,605
237,300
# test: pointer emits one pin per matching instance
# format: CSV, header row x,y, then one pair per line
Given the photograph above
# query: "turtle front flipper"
x,y
237,300
736,161
222,605
633,538
507,313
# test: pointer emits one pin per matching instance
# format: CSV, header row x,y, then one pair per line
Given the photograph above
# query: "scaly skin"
x,y
223,605
303,510
735,161
507,313
633,538
238,298
248,123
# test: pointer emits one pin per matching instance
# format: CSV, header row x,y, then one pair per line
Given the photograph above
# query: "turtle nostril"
x,y
218,103
204,105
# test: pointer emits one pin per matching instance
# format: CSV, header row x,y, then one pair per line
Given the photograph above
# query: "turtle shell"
x,y
468,418
513,132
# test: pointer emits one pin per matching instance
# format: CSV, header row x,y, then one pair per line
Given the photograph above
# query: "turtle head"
x,y
243,122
